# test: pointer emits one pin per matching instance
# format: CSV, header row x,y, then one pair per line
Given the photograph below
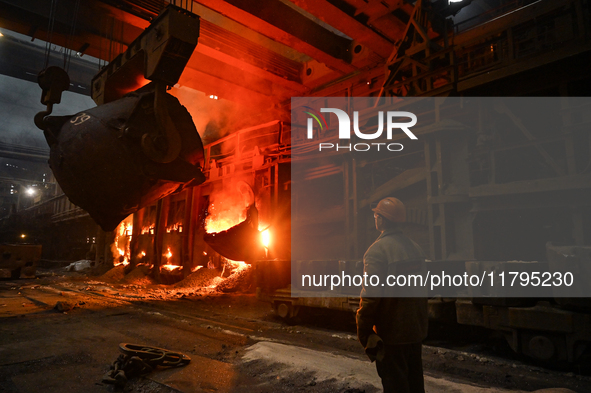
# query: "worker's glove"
x,y
375,348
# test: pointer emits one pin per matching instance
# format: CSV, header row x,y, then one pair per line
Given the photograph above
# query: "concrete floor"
x,y
235,342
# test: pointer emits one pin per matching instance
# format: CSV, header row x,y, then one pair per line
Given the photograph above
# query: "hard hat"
x,y
391,209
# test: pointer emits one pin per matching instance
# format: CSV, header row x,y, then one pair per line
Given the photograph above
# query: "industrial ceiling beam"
x,y
211,84
15,18
24,156
233,40
345,23
239,65
220,41
281,23
23,60
375,8
388,17
25,19
234,74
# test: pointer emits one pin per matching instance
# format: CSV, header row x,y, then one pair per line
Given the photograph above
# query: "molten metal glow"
x,y
196,268
125,262
120,247
221,224
170,268
143,254
266,238
227,208
233,264
149,230
238,264
175,227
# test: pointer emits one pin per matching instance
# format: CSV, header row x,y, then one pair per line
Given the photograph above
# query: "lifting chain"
x,y
139,360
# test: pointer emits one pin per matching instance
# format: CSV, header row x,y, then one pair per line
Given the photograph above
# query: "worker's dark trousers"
x,y
402,369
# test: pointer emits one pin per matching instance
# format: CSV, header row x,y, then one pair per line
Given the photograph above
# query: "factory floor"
x,y
60,332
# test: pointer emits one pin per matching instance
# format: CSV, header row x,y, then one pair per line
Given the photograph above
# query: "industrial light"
x,y
23,235
266,238
1,35
30,191
455,1
213,97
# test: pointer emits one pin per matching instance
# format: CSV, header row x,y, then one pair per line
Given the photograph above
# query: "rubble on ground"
x,y
235,277
114,275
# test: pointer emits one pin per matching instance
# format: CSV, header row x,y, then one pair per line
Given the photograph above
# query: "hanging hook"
x,y
53,81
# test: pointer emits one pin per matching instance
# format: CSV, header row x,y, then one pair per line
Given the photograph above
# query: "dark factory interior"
x,y
161,201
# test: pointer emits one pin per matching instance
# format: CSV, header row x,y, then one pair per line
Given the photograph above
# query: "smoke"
x,y
211,117
217,118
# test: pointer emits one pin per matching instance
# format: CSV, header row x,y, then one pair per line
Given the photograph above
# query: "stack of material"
x,y
201,278
114,275
139,276
240,280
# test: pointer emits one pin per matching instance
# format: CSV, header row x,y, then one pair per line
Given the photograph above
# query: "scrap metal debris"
x,y
139,360
79,266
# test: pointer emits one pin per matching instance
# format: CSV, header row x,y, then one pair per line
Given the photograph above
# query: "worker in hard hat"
x,y
390,324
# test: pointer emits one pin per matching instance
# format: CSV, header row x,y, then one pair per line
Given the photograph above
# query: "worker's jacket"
x,y
396,318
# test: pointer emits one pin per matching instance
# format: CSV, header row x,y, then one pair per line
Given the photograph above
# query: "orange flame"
x,y
170,268
227,209
120,247
221,224
149,230
175,227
